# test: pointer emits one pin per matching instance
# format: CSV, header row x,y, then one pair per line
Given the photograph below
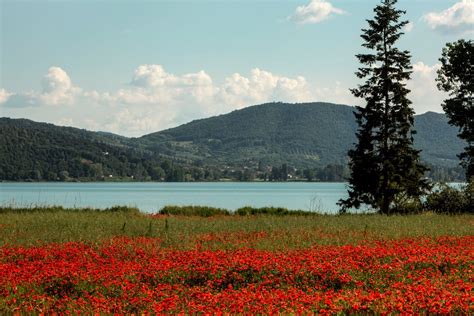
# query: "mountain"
x,y
240,145
275,133
301,135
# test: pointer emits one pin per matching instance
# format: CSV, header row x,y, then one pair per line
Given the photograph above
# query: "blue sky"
x,y
134,67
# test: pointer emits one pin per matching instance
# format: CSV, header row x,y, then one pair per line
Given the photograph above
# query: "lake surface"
x,y
150,197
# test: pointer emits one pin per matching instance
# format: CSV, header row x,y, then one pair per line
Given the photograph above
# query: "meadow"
x,y
191,260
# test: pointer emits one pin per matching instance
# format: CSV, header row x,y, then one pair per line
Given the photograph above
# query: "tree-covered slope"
x,y
40,151
243,144
298,134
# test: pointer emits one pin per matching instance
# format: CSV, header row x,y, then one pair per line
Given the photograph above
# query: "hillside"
x,y
242,145
40,151
301,135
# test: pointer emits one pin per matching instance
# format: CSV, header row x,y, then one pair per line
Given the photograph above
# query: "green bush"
x,y
449,200
203,211
280,211
123,209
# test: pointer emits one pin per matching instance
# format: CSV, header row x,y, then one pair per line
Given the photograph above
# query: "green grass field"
x,y
44,225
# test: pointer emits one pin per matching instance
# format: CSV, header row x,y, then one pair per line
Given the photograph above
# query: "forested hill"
x,y
40,151
242,145
301,135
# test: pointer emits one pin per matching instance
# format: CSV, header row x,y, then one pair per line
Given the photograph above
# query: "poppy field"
x,y
228,265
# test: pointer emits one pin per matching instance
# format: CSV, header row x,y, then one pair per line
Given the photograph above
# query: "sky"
x,y
136,67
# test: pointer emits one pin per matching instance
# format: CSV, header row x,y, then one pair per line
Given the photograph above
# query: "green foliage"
x,y
456,77
203,211
405,205
278,211
449,200
384,164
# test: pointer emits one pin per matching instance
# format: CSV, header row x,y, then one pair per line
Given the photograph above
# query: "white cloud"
x,y
263,86
314,12
409,27
56,80
57,90
152,84
458,18
151,76
424,93
19,100
4,95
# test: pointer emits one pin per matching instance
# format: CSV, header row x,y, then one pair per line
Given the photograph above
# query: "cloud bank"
x,y
155,99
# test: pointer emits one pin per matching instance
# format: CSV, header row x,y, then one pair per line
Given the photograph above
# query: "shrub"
x,y
449,200
412,206
203,211
405,205
123,209
280,211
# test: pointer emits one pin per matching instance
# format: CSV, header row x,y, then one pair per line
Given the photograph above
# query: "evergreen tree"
x,y
385,167
456,77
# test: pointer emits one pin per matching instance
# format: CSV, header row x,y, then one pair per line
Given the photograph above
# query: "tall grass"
x,y
55,224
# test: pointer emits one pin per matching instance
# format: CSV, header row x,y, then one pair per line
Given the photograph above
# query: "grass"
x,y
20,226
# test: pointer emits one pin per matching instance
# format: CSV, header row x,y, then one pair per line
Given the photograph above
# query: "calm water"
x,y
150,197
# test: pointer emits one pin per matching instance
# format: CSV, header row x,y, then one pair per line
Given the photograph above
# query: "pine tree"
x,y
456,77
385,168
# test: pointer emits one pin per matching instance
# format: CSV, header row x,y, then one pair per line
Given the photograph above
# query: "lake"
x,y
151,196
